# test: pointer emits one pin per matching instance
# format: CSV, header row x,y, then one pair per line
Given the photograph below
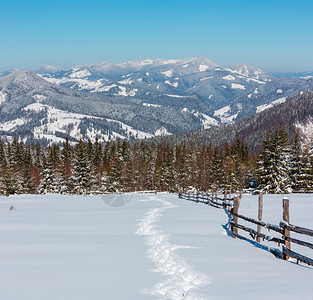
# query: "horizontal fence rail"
x,y
263,224
231,205
206,198
253,233
297,229
297,256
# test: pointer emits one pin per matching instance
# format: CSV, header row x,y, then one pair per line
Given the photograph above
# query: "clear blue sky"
x,y
272,35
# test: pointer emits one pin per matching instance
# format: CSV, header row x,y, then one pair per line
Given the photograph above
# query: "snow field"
x,y
73,248
155,247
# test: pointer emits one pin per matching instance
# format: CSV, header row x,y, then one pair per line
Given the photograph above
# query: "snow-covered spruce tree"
x,y
142,165
192,166
65,168
264,167
150,161
283,162
3,159
296,171
229,181
217,168
115,179
38,155
10,181
47,181
305,178
273,167
131,176
97,166
164,179
167,172
26,182
118,158
241,156
82,178
130,170
149,182
3,166
181,166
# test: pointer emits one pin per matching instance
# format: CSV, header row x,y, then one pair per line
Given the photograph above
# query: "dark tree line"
x,y
126,166
121,166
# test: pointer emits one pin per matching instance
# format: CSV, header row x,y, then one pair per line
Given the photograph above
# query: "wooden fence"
x,y
231,206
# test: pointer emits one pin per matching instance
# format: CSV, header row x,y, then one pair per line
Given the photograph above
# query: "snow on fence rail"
x,y
231,206
210,199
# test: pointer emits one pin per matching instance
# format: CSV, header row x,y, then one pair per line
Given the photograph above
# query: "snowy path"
x,y
181,278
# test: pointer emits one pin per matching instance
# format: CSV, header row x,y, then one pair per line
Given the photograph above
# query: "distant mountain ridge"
x,y
302,75
229,94
137,99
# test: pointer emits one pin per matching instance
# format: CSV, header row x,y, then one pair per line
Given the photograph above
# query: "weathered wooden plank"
x,y
286,230
261,223
254,234
298,229
235,209
199,198
205,201
206,197
223,204
260,212
222,199
299,242
297,256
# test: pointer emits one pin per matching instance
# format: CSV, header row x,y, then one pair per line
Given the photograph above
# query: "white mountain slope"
x,y
33,108
68,124
216,86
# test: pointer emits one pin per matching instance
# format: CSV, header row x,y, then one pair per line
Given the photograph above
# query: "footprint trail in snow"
x,y
181,279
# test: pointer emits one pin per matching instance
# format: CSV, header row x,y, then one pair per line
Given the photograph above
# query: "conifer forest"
x,y
282,166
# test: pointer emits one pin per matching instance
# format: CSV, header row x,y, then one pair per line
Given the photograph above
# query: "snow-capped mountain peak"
x,y
250,71
21,82
46,69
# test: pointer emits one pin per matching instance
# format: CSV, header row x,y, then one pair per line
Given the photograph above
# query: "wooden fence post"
x,y
286,219
260,212
235,210
225,197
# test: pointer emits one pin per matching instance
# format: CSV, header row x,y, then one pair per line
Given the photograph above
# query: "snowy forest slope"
x,y
34,109
295,115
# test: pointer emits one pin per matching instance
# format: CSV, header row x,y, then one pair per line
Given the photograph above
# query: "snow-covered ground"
x,y
154,247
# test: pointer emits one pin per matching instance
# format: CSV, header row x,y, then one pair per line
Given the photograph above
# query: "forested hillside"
x,y
294,115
